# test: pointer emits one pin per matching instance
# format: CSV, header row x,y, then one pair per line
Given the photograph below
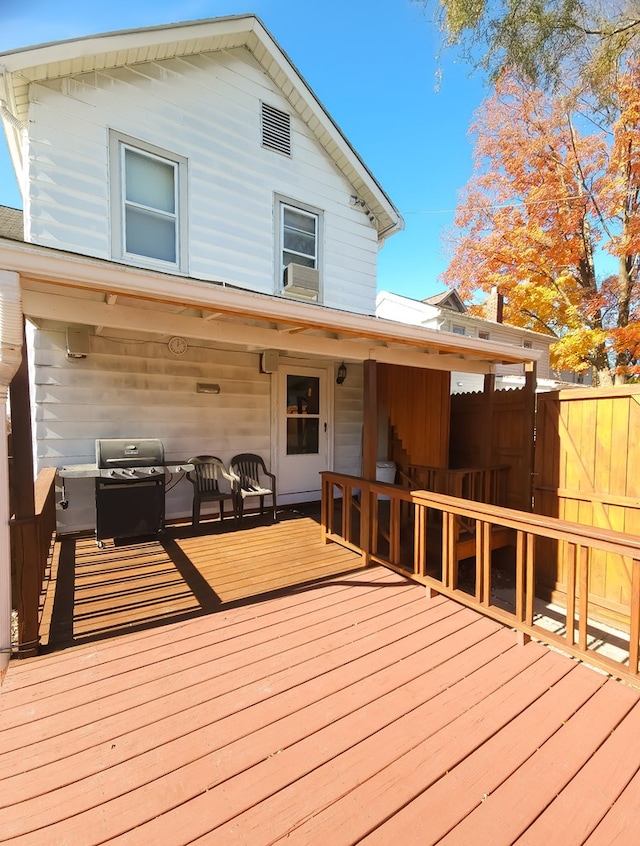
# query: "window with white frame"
x,y
148,204
298,243
458,330
299,237
484,336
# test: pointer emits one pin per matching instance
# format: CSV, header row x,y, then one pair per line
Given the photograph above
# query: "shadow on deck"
x,y
125,587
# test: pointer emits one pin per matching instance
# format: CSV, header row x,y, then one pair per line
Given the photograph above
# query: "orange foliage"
x,y
551,192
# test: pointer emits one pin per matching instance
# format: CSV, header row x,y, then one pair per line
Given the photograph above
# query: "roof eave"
x,y
74,270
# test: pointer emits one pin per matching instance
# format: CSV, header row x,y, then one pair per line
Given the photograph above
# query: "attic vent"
x,y
276,130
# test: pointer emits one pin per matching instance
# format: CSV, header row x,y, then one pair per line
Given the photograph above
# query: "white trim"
x,y
118,145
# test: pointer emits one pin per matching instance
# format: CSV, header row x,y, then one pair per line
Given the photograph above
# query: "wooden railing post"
x,y
30,545
25,565
634,627
326,503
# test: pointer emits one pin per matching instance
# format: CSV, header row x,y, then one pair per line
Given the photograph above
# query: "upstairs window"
x,y
458,330
484,336
299,237
298,250
148,204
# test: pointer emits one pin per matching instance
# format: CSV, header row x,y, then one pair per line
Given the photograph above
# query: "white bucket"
x,y
385,472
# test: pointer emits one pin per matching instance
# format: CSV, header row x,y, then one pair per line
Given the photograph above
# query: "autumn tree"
x,y
552,200
545,41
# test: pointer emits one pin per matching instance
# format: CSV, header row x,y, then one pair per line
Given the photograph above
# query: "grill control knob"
x,y
152,470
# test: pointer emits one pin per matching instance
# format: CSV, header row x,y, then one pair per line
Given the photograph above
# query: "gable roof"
x,y
153,44
447,299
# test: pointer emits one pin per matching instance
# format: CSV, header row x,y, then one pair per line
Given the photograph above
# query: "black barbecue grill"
x,y
130,476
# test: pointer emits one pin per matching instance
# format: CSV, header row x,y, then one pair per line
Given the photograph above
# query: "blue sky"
x,y
372,63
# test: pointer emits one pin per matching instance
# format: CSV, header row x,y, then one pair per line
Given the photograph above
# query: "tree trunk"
x,y
602,367
603,378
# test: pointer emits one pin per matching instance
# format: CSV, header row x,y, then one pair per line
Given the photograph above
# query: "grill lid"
x,y
131,452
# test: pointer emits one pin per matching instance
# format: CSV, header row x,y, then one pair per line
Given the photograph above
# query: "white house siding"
x,y
132,388
127,387
205,108
348,418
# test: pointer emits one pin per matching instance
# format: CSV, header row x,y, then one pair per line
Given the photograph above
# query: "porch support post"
x,y
11,335
530,382
5,543
487,458
369,452
370,425
25,577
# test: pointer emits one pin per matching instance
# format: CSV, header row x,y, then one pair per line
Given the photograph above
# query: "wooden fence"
x,y
496,428
31,539
488,558
586,471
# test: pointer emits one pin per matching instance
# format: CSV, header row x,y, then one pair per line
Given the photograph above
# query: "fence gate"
x,y
587,462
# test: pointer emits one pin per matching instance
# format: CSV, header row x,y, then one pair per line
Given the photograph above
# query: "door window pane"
x,y
303,436
303,415
303,394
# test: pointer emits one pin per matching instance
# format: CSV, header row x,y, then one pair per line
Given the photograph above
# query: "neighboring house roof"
x,y
447,299
154,44
428,313
11,223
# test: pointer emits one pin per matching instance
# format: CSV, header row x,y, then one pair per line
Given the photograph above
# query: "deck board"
x,y
128,586
347,709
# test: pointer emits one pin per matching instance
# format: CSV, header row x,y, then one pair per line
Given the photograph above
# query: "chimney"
x,y
494,306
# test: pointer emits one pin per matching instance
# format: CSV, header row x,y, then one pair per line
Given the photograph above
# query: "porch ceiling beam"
x,y
438,361
73,310
127,318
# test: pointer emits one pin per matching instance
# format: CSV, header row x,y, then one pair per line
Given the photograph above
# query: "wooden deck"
x,y
347,709
96,593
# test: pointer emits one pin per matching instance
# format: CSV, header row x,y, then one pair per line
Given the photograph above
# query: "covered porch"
x,y
214,393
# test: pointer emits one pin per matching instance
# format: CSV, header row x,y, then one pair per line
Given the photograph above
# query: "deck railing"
x,y
485,556
31,539
482,484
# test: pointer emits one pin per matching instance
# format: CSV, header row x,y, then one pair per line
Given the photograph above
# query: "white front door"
x,y
303,432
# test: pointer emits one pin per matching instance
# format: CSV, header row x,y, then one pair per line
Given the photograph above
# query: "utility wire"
x,y
502,205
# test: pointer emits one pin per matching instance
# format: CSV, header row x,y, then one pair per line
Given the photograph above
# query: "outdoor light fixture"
x,y
342,374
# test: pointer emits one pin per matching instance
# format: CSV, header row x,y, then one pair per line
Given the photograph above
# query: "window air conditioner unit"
x,y
301,281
